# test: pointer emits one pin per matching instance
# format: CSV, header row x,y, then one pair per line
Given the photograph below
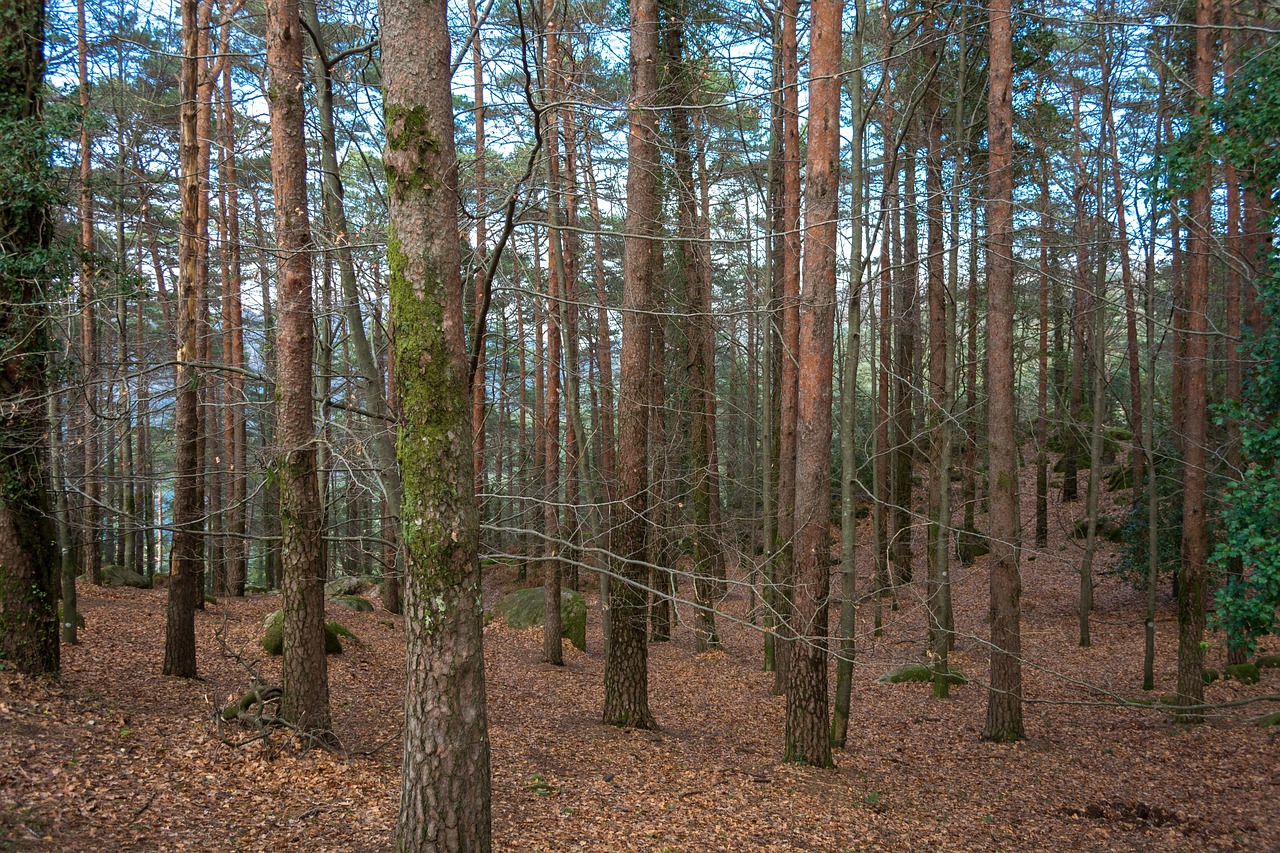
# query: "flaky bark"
x,y
444,803
1004,701
807,726
306,674
1192,578
186,555
626,675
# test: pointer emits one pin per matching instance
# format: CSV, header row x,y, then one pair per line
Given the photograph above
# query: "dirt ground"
x,y
117,757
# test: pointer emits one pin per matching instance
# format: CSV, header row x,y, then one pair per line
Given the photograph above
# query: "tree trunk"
x,y
1099,372
306,674
1004,701
444,803
187,543
626,676
28,562
551,567
91,549
940,393
848,411
1192,577
790,269
697,329
808,729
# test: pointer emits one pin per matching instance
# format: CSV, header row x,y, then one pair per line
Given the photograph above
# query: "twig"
x,y
144,807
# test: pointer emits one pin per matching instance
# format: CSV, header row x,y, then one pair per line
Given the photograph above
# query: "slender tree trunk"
x,y
848,410
1042,376
1099,372
1004,701
306,674
940,392
91,549
692,260
626,677
1136,455
62,521
1195,541
477,380
187,542
790,270
551,567
445,781
1235,264
659,548
908,318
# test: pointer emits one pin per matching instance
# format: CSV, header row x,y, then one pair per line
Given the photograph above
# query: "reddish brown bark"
x,y
306,675
626,677
1004,701
1192,578
187,544
808,738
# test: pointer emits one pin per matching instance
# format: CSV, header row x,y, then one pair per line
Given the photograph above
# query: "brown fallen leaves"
x,y
117,757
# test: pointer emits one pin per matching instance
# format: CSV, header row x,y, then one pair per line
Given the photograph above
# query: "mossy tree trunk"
x,y
28,563
444,803
305,670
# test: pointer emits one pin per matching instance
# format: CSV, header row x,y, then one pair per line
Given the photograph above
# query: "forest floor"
x,y
116,757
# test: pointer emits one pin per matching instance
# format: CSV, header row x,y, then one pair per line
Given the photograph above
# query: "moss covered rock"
x,y
1245,673
347,586
1267,662
353,602
120,576
273,635
523,608
920,673
1208,676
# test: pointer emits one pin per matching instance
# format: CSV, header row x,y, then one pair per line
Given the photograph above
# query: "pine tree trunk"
x,y
187,542
91,549
1192,576
445,782
1004,701
626,676
940,391
848,411
306,675
808,728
